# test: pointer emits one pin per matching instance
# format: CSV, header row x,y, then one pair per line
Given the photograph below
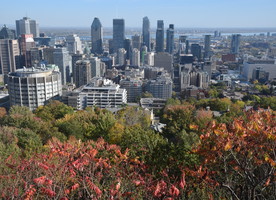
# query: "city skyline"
x,y
182,13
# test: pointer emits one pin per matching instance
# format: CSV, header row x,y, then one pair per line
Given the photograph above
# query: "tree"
x,y
241,157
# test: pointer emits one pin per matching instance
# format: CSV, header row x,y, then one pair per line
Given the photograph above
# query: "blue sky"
x,y
182,13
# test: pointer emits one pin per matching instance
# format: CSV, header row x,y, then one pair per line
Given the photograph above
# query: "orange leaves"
x,y
30,193
43,181
228,146
48,192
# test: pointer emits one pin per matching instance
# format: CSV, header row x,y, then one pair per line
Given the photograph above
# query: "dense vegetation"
x,y
59,153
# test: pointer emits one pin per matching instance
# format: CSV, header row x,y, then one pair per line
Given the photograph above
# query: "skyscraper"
x,y
63,60
27,26
9,56
82,74
135,59
196,51
170,39
182,44
136,41
146,32
235,43
74,45
6,33
207,48
118,34
97,36
160,36
26,42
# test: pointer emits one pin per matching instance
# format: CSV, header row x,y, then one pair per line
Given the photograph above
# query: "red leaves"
x,y
29,193
174,191
48,192
93,187
182,180
43,181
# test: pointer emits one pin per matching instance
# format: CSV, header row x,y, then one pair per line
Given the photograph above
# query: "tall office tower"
x,y
182,44
97,36
170,39
33,87
146,32
26,42
135,59
187,47
207,47
110,46
63,60
36,56
27,26
149,59
118,34
121,57
160,36
9,56
235,43
82,74
48,54
144,51
6,33
136,41
75,58
97,67
128,48
74,45
196,51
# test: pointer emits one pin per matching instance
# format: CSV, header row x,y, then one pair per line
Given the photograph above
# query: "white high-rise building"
x,y
135,59
27,26
74,45
32,87
121,56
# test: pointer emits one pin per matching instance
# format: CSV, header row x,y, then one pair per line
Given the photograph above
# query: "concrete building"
x,y
9,56
118,34
193,77
182,44
63,60
27,26
74,44
98,68
100,92
250,66
170,39
82,74
33,87
136,41
159,36
97,36
152,72
135,59
146,33
149,59
164,60
196,51
133,87
121,57
160,87
26,42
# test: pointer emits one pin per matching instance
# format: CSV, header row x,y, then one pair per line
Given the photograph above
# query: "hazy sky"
x,y
182,13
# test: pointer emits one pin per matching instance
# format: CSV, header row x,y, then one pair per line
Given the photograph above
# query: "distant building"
x,y
97,36
63,60
133,87
118,34
9,56
98,68
259,67
121,56
146,33
33,87
160,87
228,57
170,39
6,33
74,45
165,60
149,59
82,74
235,43
27,26
136,41
26,42
207,46
196,51
160,36
182,44
100,92
135,61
